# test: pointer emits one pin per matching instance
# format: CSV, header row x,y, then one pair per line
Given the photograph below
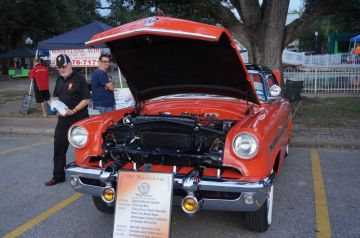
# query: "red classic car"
x,y
220,126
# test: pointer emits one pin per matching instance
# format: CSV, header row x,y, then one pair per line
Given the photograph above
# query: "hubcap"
x,y
270,204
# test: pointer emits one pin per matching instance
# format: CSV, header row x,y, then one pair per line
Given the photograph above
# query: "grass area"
x,y
330,112
6,96
33,113
4,77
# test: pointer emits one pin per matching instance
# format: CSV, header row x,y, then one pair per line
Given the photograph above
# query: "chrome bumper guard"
x,y
252,195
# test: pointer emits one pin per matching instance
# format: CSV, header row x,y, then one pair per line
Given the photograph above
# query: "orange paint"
x,y
268,122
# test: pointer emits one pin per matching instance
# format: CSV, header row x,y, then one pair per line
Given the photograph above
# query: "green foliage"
x,y
42,19
307,42
124,11
346,20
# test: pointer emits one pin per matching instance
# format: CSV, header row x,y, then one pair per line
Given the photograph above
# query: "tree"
x,y
347,22
261,27
42,19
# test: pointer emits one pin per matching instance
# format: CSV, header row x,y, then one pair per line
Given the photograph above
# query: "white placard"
x,y
123,98
59,106
78,57
143,205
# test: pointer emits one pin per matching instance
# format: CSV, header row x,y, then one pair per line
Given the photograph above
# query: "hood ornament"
x,y
150,21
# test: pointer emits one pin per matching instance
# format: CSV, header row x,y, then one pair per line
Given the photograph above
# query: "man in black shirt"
x,y
72,90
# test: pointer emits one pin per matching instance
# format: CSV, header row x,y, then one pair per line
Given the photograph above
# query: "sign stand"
x,y
26,103
143,204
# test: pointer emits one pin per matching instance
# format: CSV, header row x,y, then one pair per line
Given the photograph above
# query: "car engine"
x,y
167,140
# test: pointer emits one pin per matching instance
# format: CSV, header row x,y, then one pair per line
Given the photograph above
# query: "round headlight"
x,y
245,145
78,136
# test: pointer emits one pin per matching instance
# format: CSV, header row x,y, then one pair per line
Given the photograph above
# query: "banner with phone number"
x,y
78,57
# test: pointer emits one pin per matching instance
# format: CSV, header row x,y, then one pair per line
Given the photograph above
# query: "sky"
x,y
294,5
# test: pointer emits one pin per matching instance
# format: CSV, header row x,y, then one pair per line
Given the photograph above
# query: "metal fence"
x,y
326,80
339,60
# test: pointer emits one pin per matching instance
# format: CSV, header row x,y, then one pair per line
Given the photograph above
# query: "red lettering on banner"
x,y
78,57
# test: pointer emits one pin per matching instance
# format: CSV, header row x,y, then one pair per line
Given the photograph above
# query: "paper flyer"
x,y
143,205
59,106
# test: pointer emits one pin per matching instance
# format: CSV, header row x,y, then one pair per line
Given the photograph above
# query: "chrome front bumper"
x,y
87,181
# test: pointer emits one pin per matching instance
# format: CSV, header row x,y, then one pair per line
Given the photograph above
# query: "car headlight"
x,y
245,145
78,136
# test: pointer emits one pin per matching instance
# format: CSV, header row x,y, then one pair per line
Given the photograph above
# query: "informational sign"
x,y
78,57
25,105
143,205
123,98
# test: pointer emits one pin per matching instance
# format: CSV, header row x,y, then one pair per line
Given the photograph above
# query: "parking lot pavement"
x,y
57,212
342,182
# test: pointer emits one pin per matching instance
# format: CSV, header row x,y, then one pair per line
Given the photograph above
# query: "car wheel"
x,y
260,220
102,206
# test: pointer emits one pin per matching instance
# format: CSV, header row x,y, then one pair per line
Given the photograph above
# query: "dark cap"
x,y
62,60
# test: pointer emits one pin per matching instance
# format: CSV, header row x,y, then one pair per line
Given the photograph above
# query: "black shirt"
x,y
72,91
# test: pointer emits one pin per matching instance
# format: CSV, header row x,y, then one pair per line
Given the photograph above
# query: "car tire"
x,y
102,206
260,220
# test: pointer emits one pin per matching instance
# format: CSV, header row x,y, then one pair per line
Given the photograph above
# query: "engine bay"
x,y
185,140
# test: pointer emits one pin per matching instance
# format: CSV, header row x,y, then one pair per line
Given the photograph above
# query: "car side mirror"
x,y
275,91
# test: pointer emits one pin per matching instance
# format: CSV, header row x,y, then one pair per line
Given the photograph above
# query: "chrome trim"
x,y
69,136
83,172
277,138
150,30
104,176
196,201
192,183
108,186
86,188
257,142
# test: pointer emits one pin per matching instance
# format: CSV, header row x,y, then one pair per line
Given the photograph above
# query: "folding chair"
x,y
293,91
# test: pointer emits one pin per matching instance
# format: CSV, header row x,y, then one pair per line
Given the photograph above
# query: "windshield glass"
x,y
193,95
259,85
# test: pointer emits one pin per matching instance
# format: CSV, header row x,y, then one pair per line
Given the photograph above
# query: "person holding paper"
x,y
70,89
102,87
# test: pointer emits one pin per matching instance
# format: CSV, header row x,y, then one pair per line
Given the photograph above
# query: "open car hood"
x,y
161,56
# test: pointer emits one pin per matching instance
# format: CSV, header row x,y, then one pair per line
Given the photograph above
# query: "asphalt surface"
x,y
26,163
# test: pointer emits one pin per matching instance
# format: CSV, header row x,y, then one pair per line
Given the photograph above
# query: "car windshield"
x,y
192,95
259,85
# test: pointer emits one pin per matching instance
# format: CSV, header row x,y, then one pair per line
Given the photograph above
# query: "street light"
x,y
28,41
316,39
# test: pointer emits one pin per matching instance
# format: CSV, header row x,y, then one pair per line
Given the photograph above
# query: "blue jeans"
x,y
104,109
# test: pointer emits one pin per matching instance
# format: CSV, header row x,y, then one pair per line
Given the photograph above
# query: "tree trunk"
x,y
262,33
